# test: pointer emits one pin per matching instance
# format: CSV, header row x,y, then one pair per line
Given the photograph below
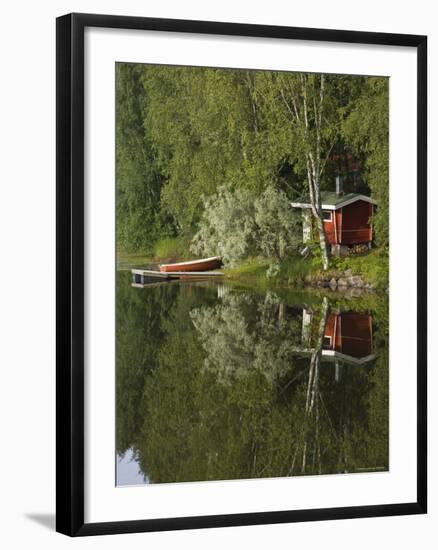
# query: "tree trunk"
x,y
312,387
323,243
303,98
312,395
315,201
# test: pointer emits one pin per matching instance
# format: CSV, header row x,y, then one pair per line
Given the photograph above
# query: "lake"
x,y
220,381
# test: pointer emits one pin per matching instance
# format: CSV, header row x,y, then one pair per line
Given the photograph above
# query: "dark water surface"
x,y
217,381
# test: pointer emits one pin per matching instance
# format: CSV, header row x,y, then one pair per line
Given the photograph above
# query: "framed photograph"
x,y
241,274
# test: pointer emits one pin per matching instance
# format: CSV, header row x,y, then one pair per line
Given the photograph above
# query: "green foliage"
x,y
236,225
367,129
252,270
297,270
138,179
278,224
172,247
373,266
200,124
227,227
181,132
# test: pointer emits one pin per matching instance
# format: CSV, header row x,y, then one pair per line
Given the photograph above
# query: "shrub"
x,y
237,225
227,227
278,224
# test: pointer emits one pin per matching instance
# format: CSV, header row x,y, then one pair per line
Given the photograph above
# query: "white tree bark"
x,y
314,162
306,115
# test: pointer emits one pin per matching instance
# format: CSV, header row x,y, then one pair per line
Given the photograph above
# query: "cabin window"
x,y
327,215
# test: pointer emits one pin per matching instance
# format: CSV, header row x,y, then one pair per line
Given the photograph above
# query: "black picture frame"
x,y
70,273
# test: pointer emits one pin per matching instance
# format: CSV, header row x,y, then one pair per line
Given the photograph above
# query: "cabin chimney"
x,y
339,186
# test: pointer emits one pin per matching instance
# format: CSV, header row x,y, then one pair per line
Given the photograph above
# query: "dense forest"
x,y
197,146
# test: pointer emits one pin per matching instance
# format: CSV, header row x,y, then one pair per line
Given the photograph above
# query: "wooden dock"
x,y
142,277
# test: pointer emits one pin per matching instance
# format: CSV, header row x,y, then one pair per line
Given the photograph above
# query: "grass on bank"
x,y
173,249
298,271
250,270
165,250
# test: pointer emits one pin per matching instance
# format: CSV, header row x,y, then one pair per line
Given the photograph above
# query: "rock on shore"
x,y
341,281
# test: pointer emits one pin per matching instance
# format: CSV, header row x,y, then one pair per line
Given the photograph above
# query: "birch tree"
x,y
303,105
304,97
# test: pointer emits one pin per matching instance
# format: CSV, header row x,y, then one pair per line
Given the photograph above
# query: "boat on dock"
x,y
193,266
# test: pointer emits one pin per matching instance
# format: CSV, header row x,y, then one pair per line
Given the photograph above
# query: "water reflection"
x,y
220,382
349,336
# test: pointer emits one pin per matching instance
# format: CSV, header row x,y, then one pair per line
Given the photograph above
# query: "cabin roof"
x,y
331,201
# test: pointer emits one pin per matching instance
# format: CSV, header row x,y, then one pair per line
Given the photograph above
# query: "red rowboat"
x,y
195,265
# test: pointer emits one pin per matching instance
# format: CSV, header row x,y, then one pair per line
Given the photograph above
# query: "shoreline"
x,y
352,275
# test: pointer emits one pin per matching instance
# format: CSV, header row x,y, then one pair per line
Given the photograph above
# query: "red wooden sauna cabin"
x,y
347,219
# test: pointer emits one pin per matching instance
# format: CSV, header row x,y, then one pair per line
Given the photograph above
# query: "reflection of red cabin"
x,y
350,334
347,218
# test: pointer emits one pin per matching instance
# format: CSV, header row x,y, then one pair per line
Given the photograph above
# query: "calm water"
x,y
216,382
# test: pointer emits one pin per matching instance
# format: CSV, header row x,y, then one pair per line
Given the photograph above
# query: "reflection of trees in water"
x,y
236,346
245,333
228,396
140,318
313,397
